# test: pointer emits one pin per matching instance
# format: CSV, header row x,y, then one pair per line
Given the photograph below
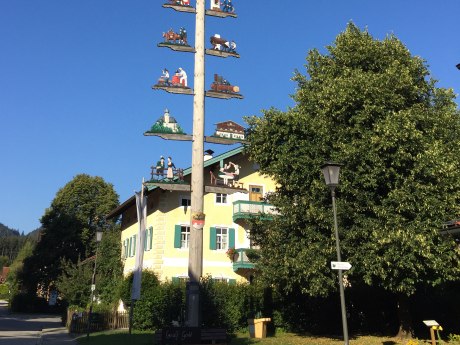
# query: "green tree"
x,y
372,105
75,281
15,275
69,228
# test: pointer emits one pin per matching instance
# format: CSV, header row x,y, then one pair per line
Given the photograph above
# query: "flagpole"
x,y
141,204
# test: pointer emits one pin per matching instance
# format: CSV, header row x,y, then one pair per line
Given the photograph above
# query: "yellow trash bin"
x,y
258,327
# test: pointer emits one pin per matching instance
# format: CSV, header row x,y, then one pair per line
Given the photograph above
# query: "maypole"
x,y
195,264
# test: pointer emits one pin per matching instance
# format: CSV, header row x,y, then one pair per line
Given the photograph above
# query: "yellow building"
x,y
231,196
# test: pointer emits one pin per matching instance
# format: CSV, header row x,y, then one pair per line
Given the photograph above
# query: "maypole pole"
x,y
195,266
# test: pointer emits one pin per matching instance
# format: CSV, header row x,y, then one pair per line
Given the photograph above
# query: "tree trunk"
x,y
405,319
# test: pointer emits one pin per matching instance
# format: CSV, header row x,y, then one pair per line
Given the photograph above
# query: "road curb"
x,y
56,336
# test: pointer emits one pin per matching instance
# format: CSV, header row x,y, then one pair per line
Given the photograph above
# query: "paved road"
x,y
24,329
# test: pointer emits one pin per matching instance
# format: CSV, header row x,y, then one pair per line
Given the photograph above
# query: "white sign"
x,y
340,265
430,323
53,297
93,287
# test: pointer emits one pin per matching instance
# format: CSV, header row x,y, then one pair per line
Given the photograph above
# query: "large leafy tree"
x,y
68,229
371,105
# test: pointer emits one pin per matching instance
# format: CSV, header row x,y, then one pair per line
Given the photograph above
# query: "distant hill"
x,y
6,231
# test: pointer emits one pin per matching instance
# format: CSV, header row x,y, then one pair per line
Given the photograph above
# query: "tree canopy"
x,y
371,105
69,228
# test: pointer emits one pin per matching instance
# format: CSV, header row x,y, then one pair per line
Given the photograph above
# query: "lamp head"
x,y
331,172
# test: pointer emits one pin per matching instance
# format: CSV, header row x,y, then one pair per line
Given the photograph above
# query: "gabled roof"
x,y
132,200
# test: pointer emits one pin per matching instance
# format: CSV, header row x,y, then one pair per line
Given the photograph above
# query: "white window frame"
x,y
185,234
222,196
222,238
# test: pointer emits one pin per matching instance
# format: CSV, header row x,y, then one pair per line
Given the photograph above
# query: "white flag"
x,y
141,203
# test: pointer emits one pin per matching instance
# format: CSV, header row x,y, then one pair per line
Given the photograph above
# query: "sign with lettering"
x,y
340,265
181,335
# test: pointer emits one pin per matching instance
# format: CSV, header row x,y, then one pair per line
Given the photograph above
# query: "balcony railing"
x,y
243,209
241,261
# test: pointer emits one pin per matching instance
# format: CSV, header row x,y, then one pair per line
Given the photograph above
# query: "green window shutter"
x,y
231,238
232,282
175,280
134,244
150,237
212,239
177,235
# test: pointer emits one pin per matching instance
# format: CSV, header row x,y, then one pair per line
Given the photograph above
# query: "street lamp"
x,y
331,176
93,282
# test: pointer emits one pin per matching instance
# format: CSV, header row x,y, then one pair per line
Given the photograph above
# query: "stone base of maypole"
x,y
192,300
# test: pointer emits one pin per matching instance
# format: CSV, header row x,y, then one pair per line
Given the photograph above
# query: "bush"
x,y
4,292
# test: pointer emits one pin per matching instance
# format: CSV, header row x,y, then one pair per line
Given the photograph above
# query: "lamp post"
x,y
93,282
331,176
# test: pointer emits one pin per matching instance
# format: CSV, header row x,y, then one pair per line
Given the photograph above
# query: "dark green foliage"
x,y
69,228
371,105
109,267
229,305
159,305
74,283
160,128
16,274
6,231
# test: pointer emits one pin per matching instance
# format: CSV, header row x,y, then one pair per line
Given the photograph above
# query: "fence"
x,y
78,322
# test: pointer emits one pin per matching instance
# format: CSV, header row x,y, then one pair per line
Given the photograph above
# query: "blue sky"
x,y
76,76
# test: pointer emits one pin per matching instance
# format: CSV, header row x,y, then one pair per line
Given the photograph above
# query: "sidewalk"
x,y
56,336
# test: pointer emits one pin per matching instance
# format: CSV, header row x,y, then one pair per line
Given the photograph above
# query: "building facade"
x,y
228,203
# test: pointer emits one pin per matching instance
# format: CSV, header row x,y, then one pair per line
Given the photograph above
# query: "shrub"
x,y
4,291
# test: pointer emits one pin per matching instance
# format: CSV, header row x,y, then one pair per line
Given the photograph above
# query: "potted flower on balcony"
x,y
231,253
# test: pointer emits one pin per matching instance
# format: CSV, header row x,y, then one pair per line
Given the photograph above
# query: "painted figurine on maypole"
x,y
172,37
177,84
221,44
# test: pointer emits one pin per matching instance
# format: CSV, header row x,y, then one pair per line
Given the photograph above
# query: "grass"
x,y
146,338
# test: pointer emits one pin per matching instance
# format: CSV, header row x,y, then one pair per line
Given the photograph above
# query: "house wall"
x,y
165,212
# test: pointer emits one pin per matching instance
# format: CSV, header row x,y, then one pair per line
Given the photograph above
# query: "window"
x,y
185,202
131,246
221,198
180,280
148,239
181,236
125,248
224,280
221,238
